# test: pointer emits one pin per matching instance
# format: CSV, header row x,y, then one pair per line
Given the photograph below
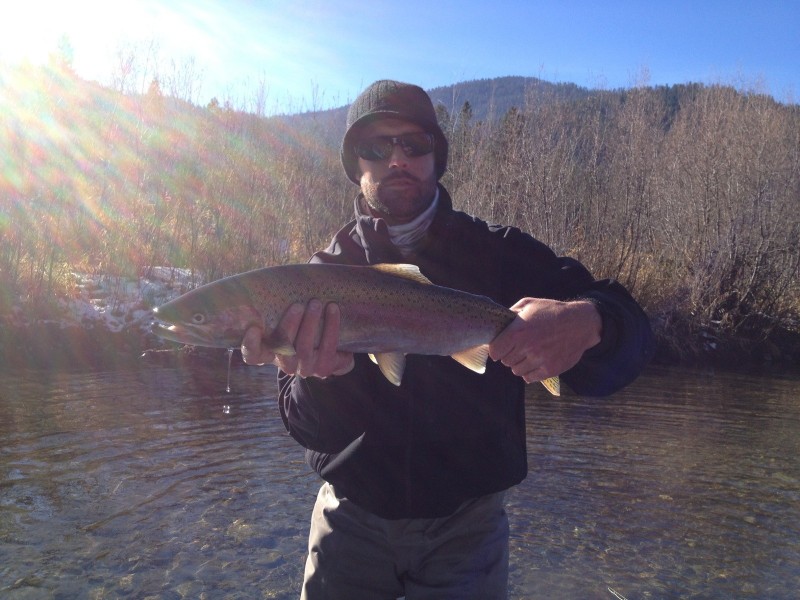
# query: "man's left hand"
x,y
547,338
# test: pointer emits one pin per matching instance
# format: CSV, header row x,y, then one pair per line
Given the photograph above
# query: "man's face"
x,y
398,187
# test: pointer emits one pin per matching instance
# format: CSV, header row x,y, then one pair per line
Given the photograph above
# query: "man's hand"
x,y
547,338
313,331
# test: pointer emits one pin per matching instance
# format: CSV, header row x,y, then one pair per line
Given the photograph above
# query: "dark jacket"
x,y
448,434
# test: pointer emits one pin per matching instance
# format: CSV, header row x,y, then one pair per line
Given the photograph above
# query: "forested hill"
x,y
493,98
688,194
487,99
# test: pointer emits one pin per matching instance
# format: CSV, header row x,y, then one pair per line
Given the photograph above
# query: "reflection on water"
x,y
141,483
158,483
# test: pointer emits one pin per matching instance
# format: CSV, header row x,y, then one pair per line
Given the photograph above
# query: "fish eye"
x,y
198,318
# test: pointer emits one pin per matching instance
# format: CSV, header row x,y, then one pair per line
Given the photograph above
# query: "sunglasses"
x,y
381,147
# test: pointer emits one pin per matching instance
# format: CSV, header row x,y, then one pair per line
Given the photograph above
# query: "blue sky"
x,y
317,54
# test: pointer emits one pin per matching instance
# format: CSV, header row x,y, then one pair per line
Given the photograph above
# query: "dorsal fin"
x,y
405,271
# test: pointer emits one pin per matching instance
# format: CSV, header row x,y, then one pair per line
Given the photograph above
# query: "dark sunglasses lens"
x,y
380,147
376,148
416,144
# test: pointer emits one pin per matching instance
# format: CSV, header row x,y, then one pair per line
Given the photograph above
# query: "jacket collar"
x,y
372,233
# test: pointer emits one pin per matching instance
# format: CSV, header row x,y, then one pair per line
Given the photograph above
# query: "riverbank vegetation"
x,y
688,194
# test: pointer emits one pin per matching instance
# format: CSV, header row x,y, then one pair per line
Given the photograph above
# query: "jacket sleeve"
x,y
627,342
326,415
625,348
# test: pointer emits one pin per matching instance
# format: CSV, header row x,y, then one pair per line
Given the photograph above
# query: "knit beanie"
x,y
391,99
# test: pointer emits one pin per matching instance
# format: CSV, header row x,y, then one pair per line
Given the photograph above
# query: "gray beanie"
x,y
392,99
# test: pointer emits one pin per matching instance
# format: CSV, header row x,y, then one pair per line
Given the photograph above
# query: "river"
x,y
157,483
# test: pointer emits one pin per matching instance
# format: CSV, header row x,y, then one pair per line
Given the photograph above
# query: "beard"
x,y
400,196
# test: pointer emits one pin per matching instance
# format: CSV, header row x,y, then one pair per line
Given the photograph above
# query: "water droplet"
x,y
230,356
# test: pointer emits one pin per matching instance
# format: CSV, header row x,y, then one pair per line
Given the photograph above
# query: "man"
x,y
412,502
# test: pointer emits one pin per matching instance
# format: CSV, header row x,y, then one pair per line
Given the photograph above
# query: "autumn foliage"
x,y
690,195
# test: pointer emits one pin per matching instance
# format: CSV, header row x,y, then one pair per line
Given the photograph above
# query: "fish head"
x,y
215,315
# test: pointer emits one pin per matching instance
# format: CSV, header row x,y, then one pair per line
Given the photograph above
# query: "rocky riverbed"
x,y
105,323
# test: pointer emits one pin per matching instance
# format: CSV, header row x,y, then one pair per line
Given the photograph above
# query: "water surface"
x,y
157,483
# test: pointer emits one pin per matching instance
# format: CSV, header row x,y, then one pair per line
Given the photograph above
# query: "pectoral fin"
x,y
391,364
278,343
473,358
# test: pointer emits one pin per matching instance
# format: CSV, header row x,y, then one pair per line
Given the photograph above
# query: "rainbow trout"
x,y
387,311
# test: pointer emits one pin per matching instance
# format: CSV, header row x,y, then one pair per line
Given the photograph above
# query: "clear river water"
x,y
157,483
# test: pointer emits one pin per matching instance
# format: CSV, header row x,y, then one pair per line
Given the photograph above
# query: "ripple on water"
x,y
159,483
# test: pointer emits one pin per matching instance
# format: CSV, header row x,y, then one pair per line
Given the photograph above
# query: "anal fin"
x,y
552,385
473,358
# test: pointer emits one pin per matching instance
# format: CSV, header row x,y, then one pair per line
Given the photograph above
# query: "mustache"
x,y
397,175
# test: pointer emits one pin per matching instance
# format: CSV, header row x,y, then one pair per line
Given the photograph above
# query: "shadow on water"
x,y
155,482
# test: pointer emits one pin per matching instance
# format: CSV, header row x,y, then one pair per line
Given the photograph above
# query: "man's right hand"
x,y
313,331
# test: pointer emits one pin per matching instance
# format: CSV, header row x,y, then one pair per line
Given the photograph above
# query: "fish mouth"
x,y
186,335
